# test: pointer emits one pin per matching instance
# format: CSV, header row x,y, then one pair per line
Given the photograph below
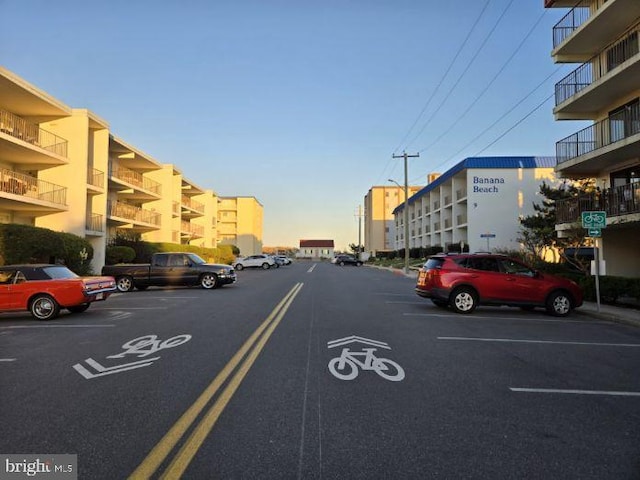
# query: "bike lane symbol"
x,y
141,347
347,366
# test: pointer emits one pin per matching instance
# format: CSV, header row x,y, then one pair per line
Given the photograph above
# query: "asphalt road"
x,y
242,385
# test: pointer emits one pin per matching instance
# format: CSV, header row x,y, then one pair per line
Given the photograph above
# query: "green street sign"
x,y
594,233
594,220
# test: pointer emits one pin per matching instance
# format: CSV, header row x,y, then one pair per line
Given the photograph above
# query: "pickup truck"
x,y
170,269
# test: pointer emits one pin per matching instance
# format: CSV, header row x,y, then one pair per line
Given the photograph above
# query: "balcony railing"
x,y
95,177
617,127
192,204
31,133
131,212
191,229
135,178
571,22
597,67
94,222
617,201
28,186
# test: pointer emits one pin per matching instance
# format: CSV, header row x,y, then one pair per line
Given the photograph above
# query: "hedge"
x,y
144,251
28,244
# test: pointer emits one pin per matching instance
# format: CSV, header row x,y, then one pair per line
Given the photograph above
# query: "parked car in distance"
x,y
254,261
45,289
283,258
464,281
343,260
173,268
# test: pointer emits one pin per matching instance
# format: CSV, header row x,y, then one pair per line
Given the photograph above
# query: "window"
x,y
624,121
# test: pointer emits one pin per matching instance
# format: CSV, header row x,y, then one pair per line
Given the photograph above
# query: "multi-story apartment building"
x,y
61,168
602,36
379,225
476,204
240,223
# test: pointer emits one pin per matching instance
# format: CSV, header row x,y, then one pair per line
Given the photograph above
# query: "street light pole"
x,y
406,208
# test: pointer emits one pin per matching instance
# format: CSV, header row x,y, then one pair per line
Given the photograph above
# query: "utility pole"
x,y
406,208
359,215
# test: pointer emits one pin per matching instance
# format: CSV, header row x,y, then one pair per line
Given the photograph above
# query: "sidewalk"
x,y
612,313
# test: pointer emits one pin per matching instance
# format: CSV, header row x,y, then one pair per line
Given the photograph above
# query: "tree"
x,y
538,231
356,249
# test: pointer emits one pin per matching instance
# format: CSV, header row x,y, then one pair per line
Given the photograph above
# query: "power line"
x,y
495,77
433,94
516,124
473,59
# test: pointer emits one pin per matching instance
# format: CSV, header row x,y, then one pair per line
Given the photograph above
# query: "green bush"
x,y
78,253
145,250
119,254
612,289
27,244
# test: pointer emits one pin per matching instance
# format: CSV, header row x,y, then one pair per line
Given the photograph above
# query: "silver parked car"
x,y
254,261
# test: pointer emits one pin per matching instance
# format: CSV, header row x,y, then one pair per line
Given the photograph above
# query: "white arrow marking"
x,y
353,339
110,370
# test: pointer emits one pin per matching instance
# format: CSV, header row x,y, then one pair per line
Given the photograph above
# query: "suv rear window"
x,y
434,263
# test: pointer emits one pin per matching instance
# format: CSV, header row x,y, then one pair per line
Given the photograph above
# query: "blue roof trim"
x,y
482,162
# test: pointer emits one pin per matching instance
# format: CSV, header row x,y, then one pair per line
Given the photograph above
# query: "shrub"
x,y
119,254
28,244
78,253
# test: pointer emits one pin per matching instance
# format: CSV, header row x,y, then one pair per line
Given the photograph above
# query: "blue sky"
x,y
299,103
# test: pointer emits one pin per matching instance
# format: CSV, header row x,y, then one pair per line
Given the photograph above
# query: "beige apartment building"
x,y
240,224
61,168
379,225
602,37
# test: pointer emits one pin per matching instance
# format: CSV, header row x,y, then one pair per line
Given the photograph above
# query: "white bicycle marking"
x,y
149,344
347,366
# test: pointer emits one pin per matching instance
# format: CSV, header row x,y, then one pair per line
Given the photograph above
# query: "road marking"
x,y
355,339
473,317
388,302
576,392
312,267
102,370
251,348
55,326
131,308
551,342
8,359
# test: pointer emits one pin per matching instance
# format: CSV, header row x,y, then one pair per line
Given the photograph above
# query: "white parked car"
x,y
284,259
254,261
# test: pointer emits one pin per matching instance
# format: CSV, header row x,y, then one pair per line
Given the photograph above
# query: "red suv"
x,y
464,281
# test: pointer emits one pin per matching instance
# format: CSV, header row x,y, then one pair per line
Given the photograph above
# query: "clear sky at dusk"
x,y
299,103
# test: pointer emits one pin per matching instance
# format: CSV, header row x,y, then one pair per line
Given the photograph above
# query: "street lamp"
x,y
406,224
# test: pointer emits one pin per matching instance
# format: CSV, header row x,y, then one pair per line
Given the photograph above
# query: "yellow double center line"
x,y
254,345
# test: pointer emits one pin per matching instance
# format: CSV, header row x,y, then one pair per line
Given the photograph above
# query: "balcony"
x,y
193,208
623,200
30,188
144,188
189,230
15,127
593,86
94,223
602,144
122,212
588,28
95,178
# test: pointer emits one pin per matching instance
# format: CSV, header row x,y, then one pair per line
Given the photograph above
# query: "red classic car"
x,y
44,289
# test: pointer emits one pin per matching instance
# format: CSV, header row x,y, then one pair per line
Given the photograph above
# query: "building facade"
x,y
240,223
379,225
316,249
61,168
476,204
602,38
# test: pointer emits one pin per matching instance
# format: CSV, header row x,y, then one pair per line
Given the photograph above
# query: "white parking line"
x,y
7,359
550,342
312,267
523,318
55,326
130,308
404,303
576,392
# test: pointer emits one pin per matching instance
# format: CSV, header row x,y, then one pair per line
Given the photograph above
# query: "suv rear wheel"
x,y
463,300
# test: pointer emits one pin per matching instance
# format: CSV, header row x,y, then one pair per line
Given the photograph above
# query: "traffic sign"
x,y
594,233
487,235
595,219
